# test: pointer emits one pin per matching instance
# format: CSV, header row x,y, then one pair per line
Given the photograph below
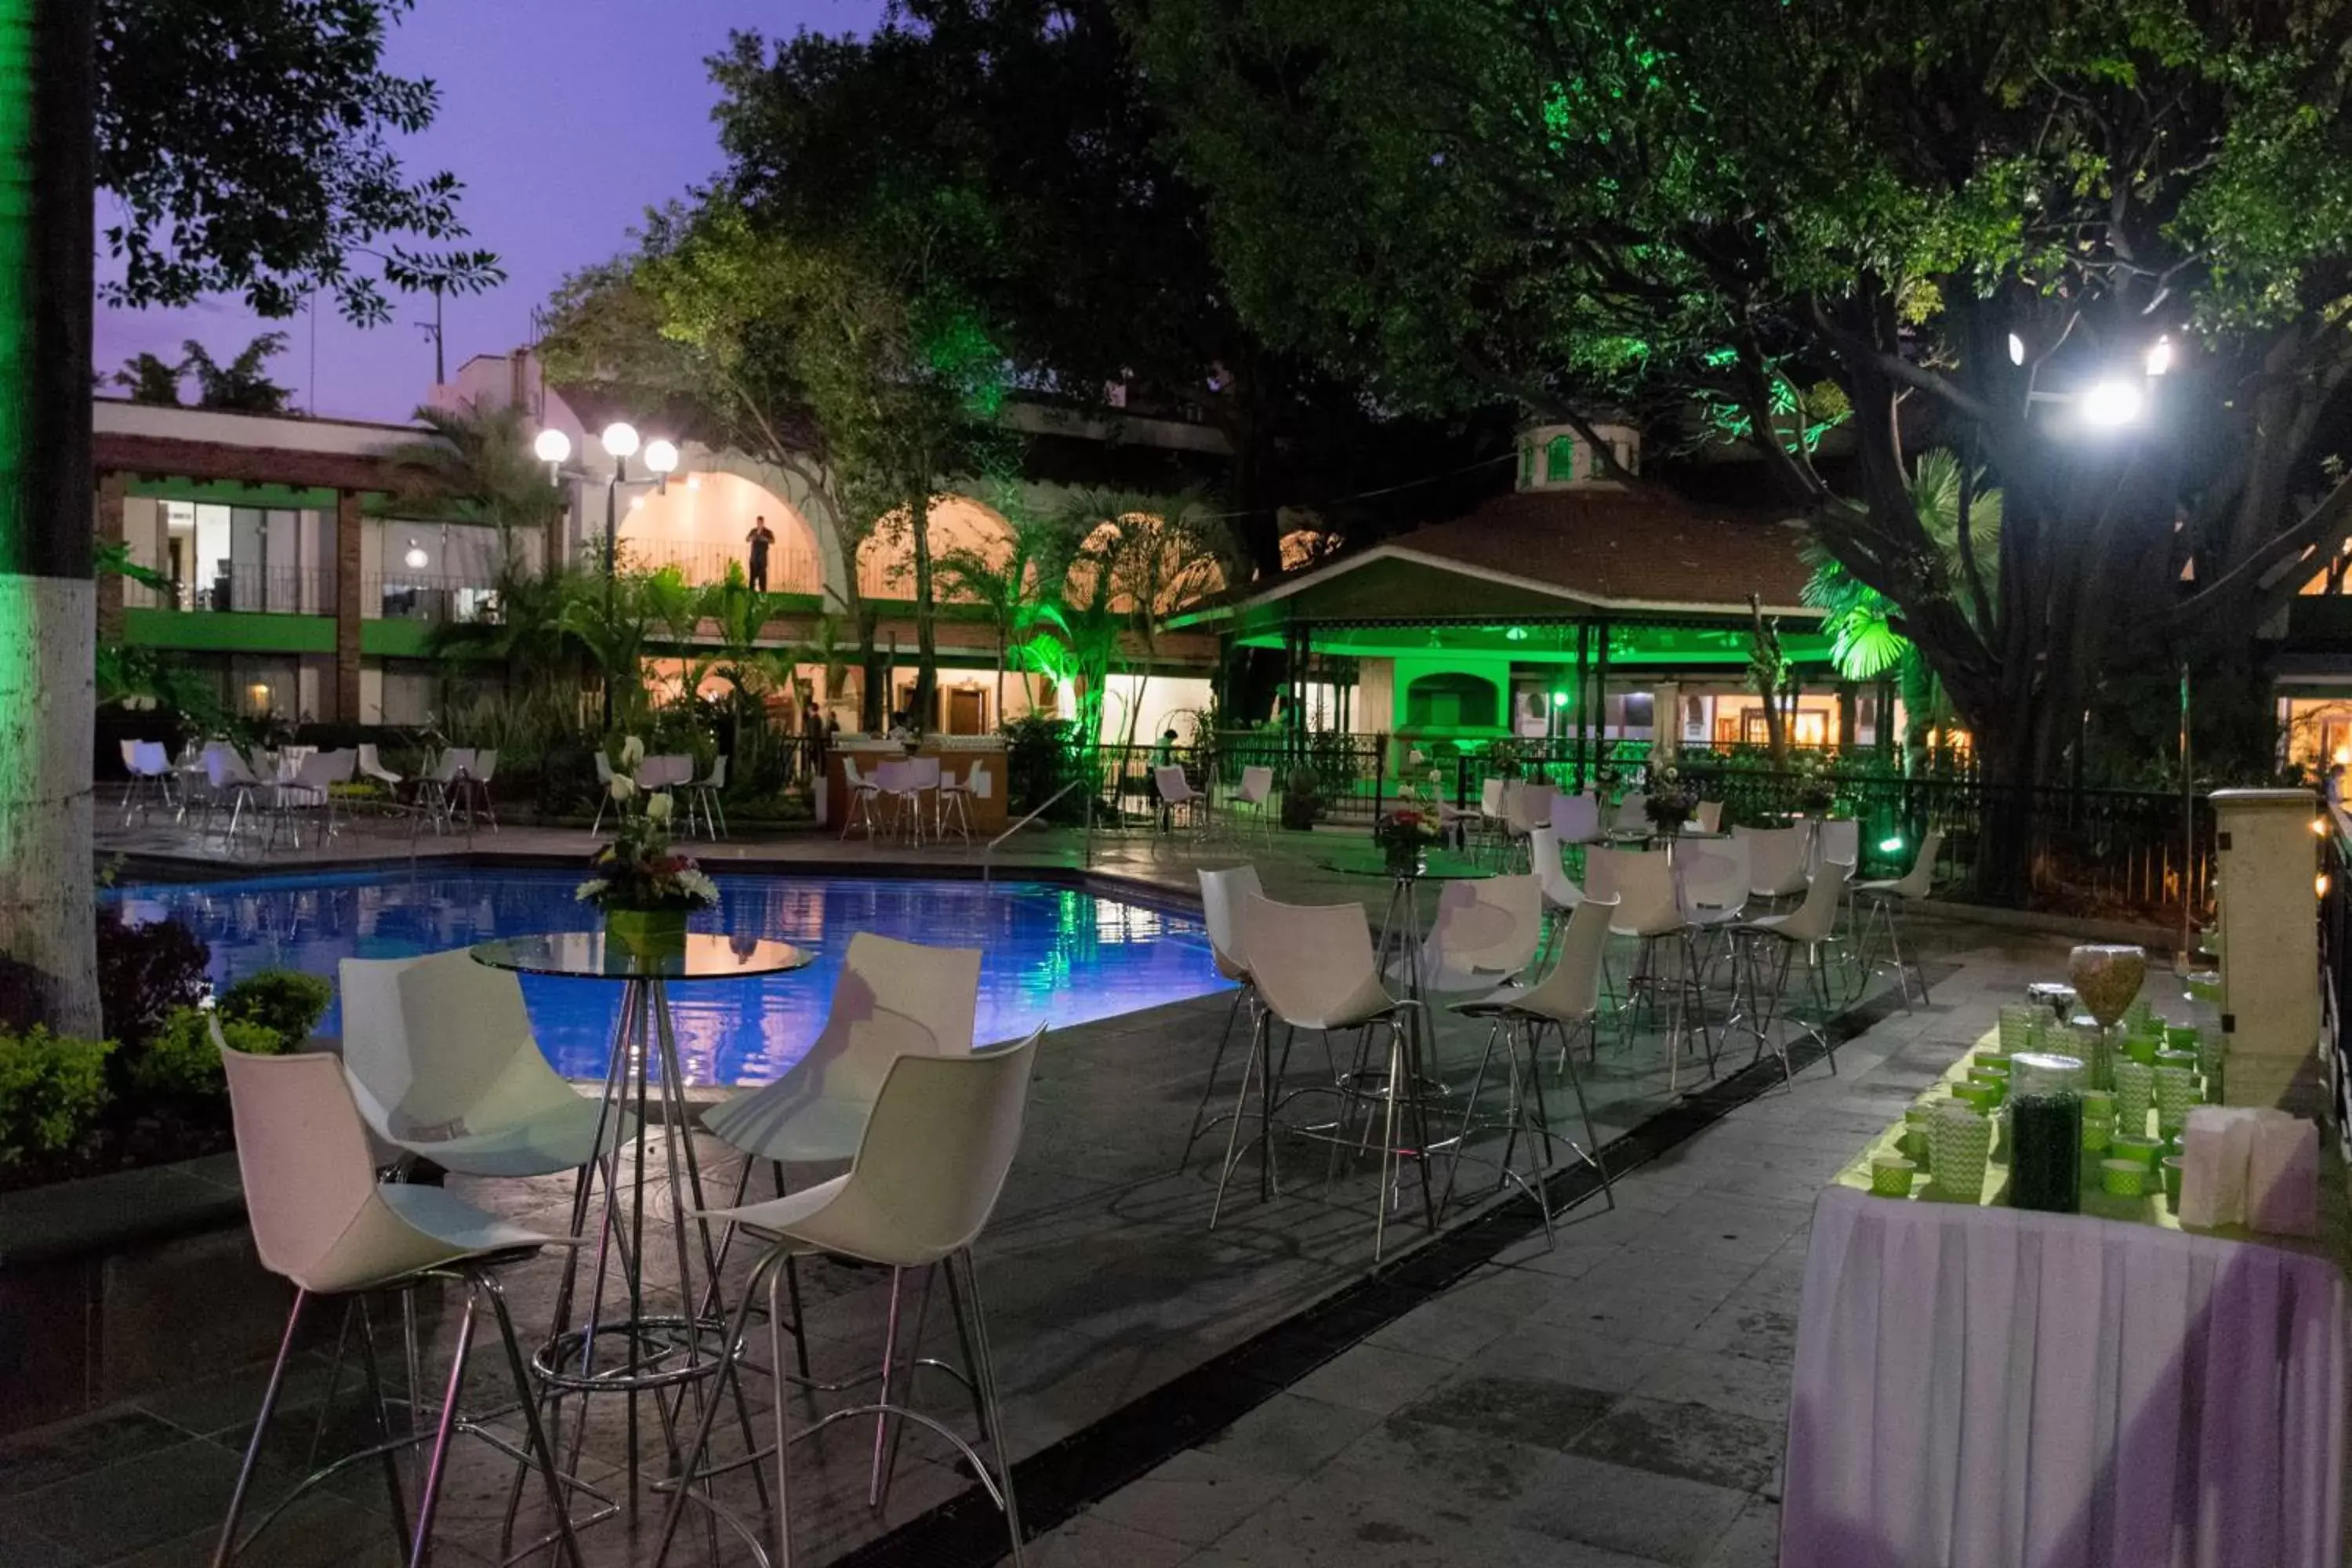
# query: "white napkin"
x,y
2282,1176
2214,1159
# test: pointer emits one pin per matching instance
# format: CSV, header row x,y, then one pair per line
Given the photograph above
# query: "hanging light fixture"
x,y
416,558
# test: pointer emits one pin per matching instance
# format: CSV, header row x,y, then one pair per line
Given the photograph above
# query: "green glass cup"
x,y
2122,1178
2141,1048
2139,1150
1890,1175
2171,1167
2180,1037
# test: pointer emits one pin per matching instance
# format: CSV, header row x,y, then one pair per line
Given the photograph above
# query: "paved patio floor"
x,y
1614,1399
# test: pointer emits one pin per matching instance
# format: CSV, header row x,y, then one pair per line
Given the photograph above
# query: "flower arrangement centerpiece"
x,y
1670,800
644,886
1406,832
1816,790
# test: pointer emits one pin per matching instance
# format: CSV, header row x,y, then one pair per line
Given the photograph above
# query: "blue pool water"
x,y
1052,955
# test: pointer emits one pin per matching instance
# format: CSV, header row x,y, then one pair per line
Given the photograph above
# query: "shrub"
x,y
286,1002
180,1062
145,974
51,1091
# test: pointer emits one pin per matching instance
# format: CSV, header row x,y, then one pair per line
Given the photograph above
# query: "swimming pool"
x,y
1052,955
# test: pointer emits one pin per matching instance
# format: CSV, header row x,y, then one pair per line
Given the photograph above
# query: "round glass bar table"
x,y
616,1346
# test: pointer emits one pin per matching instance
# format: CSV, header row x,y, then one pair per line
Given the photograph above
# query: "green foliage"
x,y
52,1091
286,1002
250,150
151,379
478,465
1039,760
1592,208
146,972
180,1063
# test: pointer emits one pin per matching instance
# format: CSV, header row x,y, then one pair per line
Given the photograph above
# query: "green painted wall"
x,y
229,631
396,639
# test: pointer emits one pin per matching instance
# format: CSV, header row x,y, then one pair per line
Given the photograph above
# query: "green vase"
x,y
646,933
1407,859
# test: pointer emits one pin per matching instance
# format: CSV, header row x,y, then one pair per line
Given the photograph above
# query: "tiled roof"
x,y
1647,548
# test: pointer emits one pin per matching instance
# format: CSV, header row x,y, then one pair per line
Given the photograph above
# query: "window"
x,y
1526,465
1559,460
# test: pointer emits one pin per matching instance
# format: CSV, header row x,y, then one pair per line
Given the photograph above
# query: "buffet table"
x,y
1979,1386
957,758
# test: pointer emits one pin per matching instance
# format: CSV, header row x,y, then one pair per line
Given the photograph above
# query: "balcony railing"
x,y
279,590
438,599
789,570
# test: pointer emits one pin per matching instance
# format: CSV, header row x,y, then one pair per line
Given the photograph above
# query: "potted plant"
x,y
1302,798
1816,790
1405,835
644,886
1670,800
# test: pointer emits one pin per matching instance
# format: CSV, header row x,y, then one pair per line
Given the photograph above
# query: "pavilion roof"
x,y
1583,550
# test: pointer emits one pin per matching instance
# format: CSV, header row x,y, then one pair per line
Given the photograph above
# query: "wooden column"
x,y
110,533
347,586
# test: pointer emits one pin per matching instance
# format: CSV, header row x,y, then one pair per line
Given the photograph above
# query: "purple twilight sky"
x,y
566,119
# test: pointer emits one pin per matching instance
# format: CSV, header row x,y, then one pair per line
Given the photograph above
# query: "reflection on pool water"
x,y
1052,955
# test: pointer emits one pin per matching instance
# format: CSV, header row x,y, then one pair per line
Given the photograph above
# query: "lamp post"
x,y
619,440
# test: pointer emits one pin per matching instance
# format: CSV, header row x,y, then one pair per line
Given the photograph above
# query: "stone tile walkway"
x,y
1618,1400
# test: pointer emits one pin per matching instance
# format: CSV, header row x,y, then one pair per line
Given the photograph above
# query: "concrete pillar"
x,y
1665,721
110,533
349,583
2266,869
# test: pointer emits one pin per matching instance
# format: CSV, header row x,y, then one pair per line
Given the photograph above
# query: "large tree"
x,y
1966,217
247,147
798,350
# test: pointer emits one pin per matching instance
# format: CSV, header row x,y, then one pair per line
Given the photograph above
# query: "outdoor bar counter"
x,y
958,757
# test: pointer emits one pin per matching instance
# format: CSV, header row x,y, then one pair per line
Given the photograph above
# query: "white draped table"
x,y
1996,1388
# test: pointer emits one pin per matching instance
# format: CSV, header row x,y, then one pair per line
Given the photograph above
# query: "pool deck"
x,y
1269,1398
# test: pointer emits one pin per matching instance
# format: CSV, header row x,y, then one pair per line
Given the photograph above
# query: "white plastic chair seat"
x,y
457,1225
561,1138
818,1131
1369,1001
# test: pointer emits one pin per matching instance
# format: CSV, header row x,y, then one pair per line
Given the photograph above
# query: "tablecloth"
x,y
1995,1388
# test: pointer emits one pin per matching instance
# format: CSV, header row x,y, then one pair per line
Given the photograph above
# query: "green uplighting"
x,y
1889,846
1516,634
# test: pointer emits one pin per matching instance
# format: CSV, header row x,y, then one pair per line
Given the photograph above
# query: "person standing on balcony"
x,y
760,539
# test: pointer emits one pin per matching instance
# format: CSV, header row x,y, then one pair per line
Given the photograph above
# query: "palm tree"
x,y
1143,559
477,464
1000,582
243,382
1865,643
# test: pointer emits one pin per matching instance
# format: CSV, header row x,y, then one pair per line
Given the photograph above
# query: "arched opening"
x,y
1451,700
701,524
885,561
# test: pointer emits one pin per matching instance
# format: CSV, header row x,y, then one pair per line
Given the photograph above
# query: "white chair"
x,y
1648,910
1486,933
321,1221
1776,861
1878,899
1257,795
891,999
372,767
1494,808
1561,896
444,1065
1221,893
1178,798
1633,812
1768,946
1527,808
1567,1000
1313,968
1708,816
472,784
898,780
1713,875
1837,839
956,796
929,1165
149,763
1575,818
703,792
233,780
435,791
865,799
603,790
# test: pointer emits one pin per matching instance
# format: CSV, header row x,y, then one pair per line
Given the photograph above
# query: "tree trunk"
x,y
874,665
927,640
48,603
